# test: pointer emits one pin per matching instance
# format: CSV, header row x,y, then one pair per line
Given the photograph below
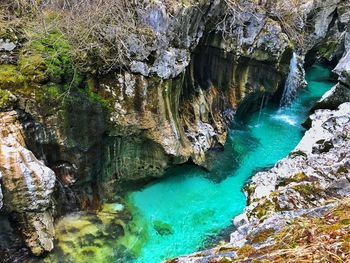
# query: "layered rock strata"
x,y
27,186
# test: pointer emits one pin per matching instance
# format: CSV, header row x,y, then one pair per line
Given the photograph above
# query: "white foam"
x,y
286,118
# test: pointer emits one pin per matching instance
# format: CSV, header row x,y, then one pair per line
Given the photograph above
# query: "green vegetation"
x,y
11,78
60,49
48,53
4,98
298,177
265,206
308,190
96,97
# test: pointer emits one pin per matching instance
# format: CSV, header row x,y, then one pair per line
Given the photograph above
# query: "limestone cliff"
x,y
289,206
190,69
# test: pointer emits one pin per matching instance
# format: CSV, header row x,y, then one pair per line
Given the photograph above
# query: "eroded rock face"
x,y
340,93
177,98
343,68
179,105
27,184
328,36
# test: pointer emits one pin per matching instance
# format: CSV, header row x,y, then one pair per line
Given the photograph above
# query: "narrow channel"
x,y
178,214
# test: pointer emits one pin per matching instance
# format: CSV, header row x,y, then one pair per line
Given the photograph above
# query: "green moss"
x,y
261,236
33,67
96,97
4,98
298,177
10,77
54,91
54,51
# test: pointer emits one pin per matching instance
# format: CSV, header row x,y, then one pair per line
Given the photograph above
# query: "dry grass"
x,y
324,239
100,32
291,18
286,12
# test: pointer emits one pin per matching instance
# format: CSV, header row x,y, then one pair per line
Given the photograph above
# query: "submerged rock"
x,y
162,228
86,237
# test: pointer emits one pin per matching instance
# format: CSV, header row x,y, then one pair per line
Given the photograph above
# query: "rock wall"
x,y
27,185
172,103
183,109
309,182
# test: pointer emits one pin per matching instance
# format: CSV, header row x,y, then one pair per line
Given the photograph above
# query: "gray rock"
x,y
7,45
343,69
139,67
332,99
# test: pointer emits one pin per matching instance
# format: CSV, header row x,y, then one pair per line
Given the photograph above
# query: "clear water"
x,y
178,214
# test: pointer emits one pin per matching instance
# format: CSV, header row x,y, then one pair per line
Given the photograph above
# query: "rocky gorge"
x,y
72,140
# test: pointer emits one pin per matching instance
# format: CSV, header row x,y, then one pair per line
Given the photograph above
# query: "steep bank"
x,y
286,202
188,72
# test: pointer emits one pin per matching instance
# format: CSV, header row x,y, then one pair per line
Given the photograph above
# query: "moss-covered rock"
x,y
11,78
33,67
6,99
90,237
162,228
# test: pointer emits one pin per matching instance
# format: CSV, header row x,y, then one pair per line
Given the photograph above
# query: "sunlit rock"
x,y
27,184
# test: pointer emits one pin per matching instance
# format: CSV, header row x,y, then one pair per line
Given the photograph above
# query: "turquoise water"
x,y
178,214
